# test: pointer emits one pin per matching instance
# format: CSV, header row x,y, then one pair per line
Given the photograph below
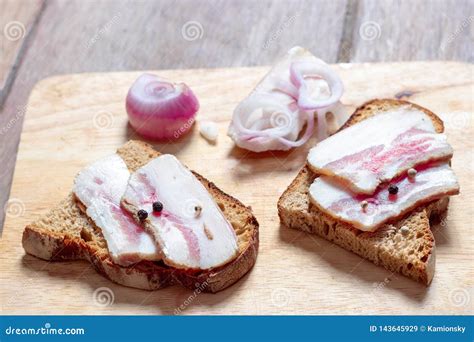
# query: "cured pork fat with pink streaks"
x,y
378,149
99,187
188,226
431,182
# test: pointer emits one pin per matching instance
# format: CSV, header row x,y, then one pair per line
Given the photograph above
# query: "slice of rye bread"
x,y
66,233
411,254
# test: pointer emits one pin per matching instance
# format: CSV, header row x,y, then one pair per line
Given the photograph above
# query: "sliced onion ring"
x,y
287,88
307,134
274,131
265,103
300,70
300,108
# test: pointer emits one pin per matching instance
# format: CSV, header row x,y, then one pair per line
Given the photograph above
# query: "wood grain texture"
x,y
85,36
75,119
173,34
395,30
17,20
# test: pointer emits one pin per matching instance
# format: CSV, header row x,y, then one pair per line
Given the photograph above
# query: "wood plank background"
x,y
56,37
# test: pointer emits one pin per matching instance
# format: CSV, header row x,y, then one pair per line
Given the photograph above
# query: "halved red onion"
x,y
160,109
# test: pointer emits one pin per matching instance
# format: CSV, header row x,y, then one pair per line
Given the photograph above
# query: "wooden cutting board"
x,y
72,120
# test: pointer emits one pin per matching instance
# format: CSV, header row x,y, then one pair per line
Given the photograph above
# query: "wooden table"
x,y
43,38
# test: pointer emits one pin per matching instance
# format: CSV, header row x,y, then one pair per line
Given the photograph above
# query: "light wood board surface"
x,y
72,120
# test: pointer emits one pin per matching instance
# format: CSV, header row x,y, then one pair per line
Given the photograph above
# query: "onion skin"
x,y
160,110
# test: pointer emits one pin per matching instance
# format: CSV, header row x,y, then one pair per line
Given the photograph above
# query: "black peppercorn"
x,y
142,214
393,189
157,206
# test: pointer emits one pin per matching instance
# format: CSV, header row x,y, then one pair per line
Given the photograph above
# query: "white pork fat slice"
x,y
190,228
379,148
368,212
99,187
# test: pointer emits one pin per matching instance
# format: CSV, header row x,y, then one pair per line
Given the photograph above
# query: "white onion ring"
x,y
307,134
264,102
259,136
287,88
298,71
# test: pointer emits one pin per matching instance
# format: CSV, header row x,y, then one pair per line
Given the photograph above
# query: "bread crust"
x,y
48,239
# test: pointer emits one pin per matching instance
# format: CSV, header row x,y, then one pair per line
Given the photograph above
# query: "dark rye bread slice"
x,y
66,233
411,253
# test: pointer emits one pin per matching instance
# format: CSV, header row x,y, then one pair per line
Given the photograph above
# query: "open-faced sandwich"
x,y
373,186
146,221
